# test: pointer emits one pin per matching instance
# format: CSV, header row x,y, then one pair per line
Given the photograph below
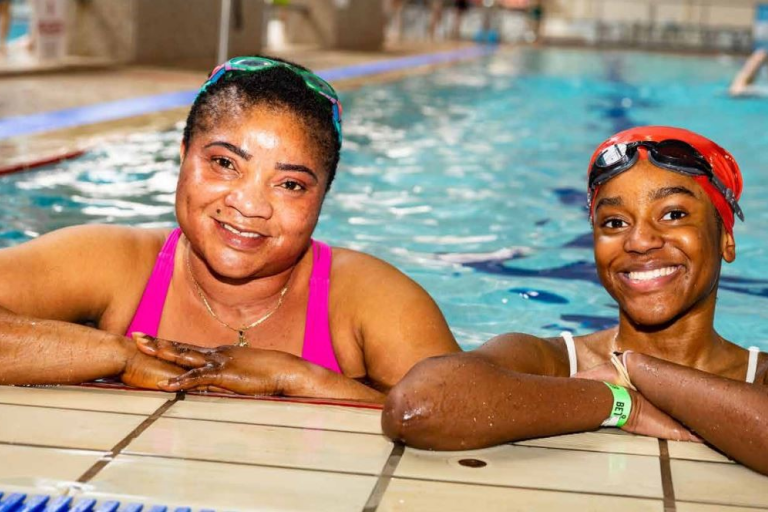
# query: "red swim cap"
x,y
723,164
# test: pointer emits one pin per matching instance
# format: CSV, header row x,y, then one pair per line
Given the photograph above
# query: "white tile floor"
x,y
247,454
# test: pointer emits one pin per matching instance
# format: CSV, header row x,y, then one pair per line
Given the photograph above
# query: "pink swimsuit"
x,y
318,347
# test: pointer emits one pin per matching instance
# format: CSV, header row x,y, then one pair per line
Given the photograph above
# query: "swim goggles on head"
x,y
671,154
256,64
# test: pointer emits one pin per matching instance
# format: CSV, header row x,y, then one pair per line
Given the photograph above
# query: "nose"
x,y
642,238
250,197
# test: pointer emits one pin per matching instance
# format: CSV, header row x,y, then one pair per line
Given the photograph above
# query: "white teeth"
x,y
651,274
244,234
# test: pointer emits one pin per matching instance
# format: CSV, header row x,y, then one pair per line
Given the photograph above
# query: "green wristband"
x,y
622,405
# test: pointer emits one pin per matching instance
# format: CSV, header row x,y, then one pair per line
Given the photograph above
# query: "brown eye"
x,y
613,224
224,162
292,185
674,215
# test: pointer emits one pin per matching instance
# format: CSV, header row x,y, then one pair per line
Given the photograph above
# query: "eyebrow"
x,y
236,150
609,201
669,191
296,167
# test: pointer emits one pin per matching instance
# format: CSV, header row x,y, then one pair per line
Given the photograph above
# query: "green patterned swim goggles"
x,y
256,64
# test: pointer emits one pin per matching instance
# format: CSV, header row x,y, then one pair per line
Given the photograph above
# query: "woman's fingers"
x,y
205,377
181,354
145,343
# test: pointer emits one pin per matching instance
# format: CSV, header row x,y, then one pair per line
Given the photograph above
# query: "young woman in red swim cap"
x,y
662,204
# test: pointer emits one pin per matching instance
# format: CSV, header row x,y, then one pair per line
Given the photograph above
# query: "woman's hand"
x,y
644,418
648,420
242,370
142,371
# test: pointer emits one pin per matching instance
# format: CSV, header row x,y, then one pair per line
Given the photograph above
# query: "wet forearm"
x,y
462,402
730,415
36,351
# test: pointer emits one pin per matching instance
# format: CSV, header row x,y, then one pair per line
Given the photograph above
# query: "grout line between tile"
x,y
716,503
296,427
529,488
384,478
74,409
51,447
249,464
101,464
666,477
579,449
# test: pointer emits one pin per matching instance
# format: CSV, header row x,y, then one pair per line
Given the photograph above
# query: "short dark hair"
x,y
278,88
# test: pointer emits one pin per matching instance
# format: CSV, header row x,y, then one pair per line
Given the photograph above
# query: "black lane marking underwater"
x,y
384,478
666,477
119,447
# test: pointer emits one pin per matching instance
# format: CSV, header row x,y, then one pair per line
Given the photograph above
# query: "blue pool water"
x,y
18,29
471,179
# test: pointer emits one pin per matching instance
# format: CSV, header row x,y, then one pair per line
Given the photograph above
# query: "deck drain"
x,y
473,463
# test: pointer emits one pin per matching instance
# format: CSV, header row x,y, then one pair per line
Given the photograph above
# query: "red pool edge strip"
x,y
42,162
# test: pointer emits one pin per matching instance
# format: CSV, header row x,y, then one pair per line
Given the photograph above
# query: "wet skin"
x,y
658,248
260,174
249,196
665,223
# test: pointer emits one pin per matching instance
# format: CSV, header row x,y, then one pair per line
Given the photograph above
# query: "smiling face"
x,y
658,244
250,192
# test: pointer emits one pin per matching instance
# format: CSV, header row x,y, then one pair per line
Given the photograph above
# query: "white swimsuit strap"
x,y
754,353
571,346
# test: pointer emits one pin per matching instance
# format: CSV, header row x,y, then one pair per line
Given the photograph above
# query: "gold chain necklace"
x,y
241,340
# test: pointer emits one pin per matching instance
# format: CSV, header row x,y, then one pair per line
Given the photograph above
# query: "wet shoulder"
x,y
361,285
124,247
527,353
364,272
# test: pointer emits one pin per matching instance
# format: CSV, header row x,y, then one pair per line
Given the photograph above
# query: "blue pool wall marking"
x,y
69,118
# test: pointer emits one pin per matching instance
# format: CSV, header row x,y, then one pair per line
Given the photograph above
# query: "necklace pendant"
x,y
241,341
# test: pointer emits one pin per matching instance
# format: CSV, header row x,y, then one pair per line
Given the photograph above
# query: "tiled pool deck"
x,y
249,454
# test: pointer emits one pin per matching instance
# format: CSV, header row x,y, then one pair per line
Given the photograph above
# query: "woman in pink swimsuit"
x,y
260,307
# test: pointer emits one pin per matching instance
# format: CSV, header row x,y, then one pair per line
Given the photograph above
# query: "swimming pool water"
x,y
470,179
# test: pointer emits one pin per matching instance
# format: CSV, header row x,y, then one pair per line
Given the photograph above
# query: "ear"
x,y
182,151
727,246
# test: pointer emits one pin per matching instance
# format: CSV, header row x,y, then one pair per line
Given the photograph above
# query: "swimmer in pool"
x,y
662,204
261,307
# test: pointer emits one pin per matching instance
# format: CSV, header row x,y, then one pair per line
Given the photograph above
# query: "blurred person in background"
x,y
437,7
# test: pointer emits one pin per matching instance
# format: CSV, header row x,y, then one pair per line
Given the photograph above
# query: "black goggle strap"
x,y
729,196
701,168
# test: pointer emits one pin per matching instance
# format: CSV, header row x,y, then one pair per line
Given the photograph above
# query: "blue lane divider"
x,y
110,111
68,118
18,502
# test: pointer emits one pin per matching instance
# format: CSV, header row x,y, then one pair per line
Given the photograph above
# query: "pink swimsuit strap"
x,y
318,345
150,309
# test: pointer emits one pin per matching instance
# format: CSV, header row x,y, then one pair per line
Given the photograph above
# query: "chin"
x,y
650,315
